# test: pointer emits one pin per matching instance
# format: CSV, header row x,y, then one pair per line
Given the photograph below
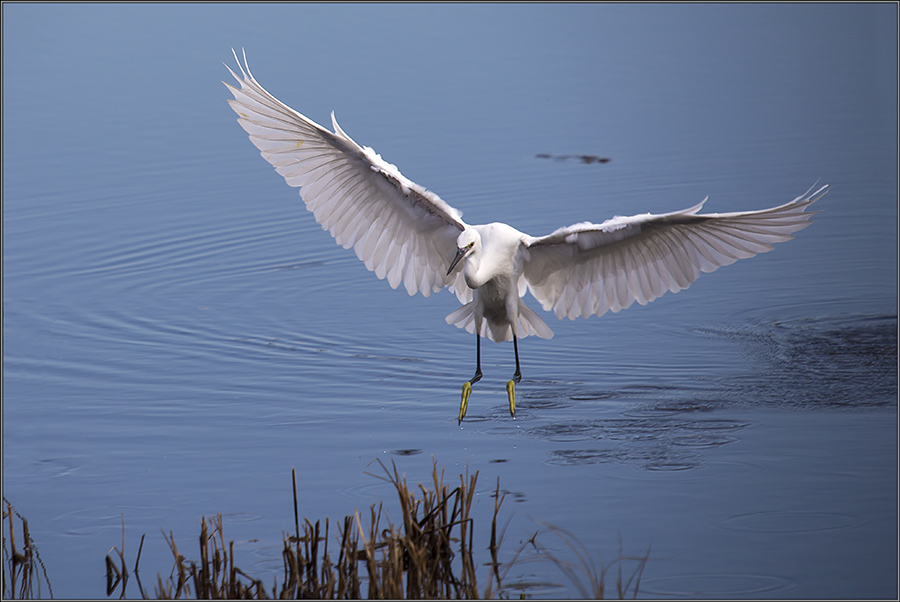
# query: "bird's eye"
x,y
470,245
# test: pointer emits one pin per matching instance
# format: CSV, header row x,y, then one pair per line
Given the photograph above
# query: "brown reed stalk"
x,y
119,572
23,579
595,587
428,554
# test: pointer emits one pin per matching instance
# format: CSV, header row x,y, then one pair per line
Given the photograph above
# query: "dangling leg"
x,y
518,375
467,386
511,385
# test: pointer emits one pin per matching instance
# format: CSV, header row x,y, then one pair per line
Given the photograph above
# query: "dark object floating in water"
x,y
406,452
583,158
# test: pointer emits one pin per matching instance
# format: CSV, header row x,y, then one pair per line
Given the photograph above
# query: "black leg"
x,y
517,377
478,374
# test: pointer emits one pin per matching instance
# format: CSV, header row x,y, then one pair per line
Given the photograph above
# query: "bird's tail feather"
x,y
464,317
529,323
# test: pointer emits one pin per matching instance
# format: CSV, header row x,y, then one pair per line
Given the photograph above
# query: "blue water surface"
x,y
179,333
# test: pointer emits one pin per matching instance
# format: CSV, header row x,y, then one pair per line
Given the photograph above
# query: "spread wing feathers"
x,y
588,269
401,231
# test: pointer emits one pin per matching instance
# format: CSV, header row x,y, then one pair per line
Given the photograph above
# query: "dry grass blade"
x,y
595,588
428,554
215,576
21,579
118,573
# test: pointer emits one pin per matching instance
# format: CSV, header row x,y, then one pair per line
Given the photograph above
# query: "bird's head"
x,y
467,242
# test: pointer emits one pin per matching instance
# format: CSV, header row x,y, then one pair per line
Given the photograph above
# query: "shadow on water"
x,y
805,364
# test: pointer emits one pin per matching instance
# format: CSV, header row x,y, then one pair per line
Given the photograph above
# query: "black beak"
x,y
460,253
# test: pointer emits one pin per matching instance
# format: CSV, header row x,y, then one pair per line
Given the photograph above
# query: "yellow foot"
x,y
466,391
511,391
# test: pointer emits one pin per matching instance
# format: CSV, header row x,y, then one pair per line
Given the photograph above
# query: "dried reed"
x,y
595,588
429,555
23,579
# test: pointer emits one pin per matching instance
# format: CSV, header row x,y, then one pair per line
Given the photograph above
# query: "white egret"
x,y
408,235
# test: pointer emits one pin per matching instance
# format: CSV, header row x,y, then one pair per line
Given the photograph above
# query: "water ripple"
x,y
847,361
715,585
789,521
815,362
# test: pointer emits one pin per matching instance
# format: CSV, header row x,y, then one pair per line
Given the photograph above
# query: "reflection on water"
x,y
652,443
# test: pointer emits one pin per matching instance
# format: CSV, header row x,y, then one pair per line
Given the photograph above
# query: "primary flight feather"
x,y
407,234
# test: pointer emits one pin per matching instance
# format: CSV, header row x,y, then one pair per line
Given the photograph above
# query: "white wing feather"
x,y
589,269
401,231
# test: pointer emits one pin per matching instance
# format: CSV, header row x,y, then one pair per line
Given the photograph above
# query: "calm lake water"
x,y
178,332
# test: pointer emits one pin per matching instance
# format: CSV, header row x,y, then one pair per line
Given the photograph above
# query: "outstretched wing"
x,y
587,269
401,231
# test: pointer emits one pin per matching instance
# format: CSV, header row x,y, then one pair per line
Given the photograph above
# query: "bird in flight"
x,y
410,236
